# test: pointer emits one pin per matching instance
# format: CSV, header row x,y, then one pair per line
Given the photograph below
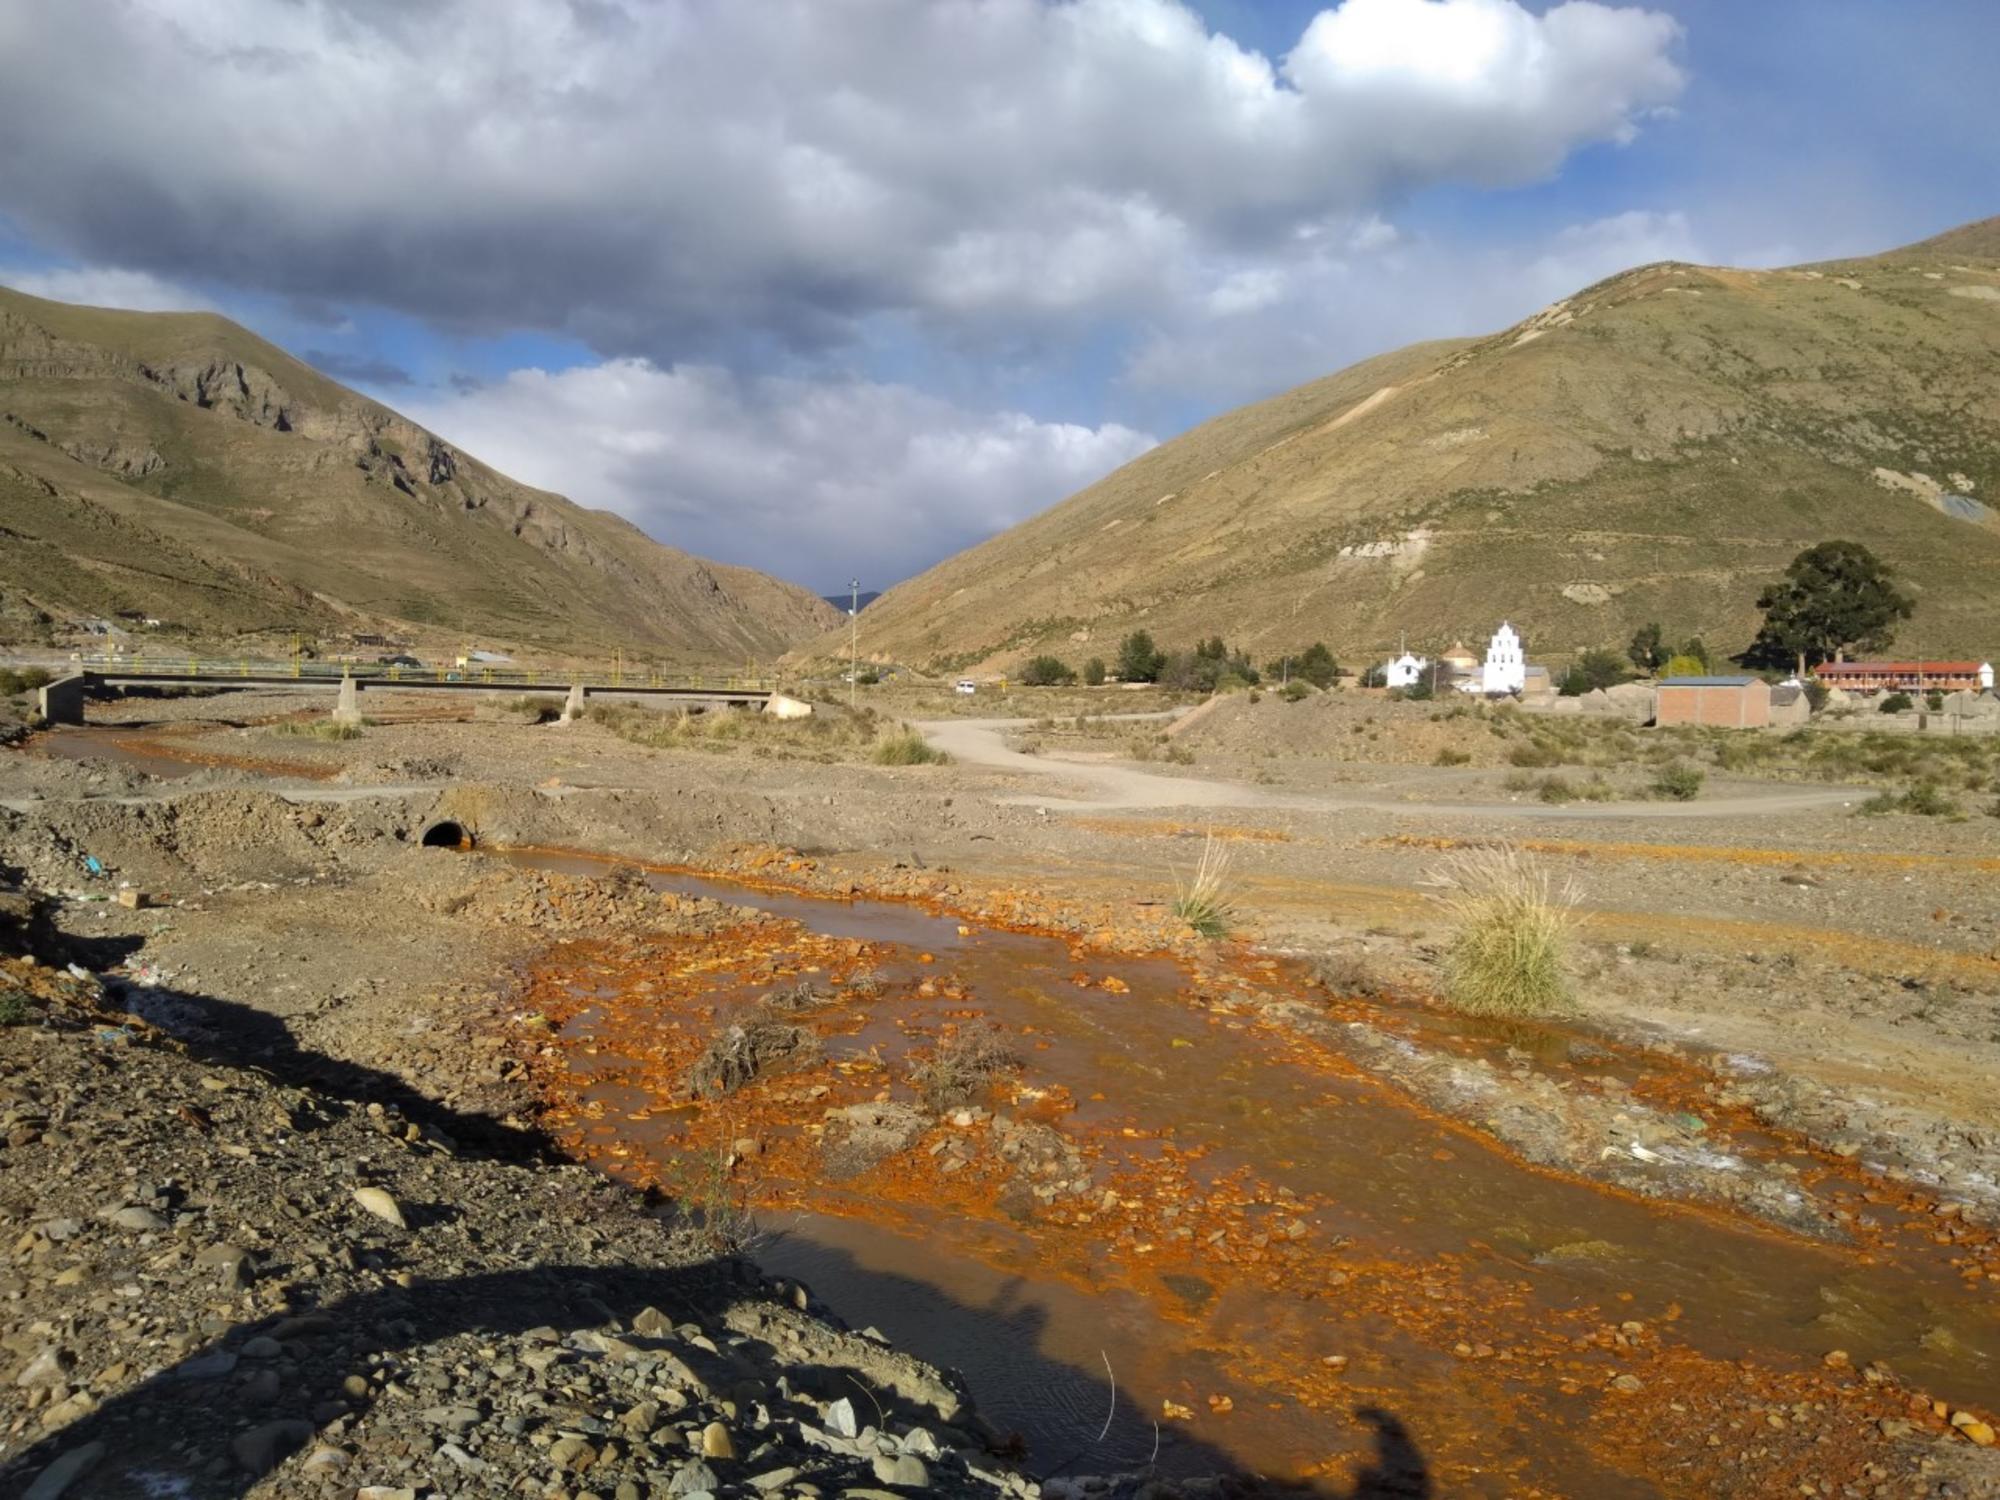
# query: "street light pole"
x,y
853,640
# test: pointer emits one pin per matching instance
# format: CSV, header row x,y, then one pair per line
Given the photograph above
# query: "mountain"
x,y
175,465
1655,447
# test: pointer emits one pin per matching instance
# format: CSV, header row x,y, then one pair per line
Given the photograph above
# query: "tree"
x,y
1139,660
1317,666
1093,672
1648,648
1683,665
1593,669
1696,648
1047,671
1834,597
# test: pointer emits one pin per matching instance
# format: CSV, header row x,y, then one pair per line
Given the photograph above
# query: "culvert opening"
x,y
445,834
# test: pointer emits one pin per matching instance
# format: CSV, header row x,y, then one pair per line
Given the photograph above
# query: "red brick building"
x,y
1715,702
1906,676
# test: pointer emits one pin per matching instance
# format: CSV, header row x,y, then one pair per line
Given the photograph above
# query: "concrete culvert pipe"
x,y
445,834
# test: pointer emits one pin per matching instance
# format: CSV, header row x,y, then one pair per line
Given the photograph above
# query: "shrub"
x,y
1925,799
1203,903
1293,691
1555,790
961,1065
316,729
1895,703
1139,660
14,1009
1451,757
1934,701
1047,671
22,680
1679,782
1509,951
1593,669
906,747
1093,672
744,1049
1816,695
1535,755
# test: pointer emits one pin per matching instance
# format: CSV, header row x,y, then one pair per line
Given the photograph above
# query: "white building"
x,y
1986,677
1405,671
1506,669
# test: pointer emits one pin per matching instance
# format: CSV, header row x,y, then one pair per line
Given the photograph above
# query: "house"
x,y
1715,702
1405,671
1536,682
1460,665
1506,668
1906,676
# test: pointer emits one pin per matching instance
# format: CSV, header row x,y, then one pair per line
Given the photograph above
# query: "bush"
x,y
1203,903
1594,669
22,680
1817,693
1679,782
14,1009
1047,671
1093,672
1292,692
1451,757
1509,952
316,729
1924,799
905,747
1535,755
961,1066
1934,701
1139,660
1555,790
1895,703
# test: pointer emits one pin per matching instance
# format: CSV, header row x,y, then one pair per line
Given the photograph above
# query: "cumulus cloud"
x,y
1330,302
105,286
661,177
818,481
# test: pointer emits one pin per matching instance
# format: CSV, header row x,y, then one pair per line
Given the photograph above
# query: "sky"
x,y
835,288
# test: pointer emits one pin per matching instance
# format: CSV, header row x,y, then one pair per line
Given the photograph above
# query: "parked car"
x,y
401,661
966,686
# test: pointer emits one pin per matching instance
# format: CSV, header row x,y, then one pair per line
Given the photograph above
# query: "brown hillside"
x,y
177,465
1655,447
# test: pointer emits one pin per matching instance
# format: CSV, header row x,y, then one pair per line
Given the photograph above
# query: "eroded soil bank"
x,y
1277,1213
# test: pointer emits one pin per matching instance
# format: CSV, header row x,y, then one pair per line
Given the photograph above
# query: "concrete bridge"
x,y
62,701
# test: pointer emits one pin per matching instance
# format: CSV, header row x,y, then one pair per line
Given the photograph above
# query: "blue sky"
x,y
841,286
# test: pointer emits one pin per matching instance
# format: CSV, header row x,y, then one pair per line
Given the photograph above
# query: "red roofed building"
x,y
1906,676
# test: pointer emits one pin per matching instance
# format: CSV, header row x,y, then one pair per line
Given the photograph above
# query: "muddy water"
x,y
165,754
1248,1243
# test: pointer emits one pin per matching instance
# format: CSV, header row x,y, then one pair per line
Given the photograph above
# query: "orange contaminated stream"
x,y
1273,1250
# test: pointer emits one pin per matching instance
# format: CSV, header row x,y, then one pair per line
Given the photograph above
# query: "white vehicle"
x,y
967,686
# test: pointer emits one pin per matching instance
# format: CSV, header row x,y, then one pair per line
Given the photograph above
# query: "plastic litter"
x,y
90,863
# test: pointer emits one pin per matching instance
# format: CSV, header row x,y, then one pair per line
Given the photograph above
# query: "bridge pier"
x,y
61,702
573,704
347,708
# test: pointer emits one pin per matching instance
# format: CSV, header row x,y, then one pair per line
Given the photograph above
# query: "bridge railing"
x,y
222,669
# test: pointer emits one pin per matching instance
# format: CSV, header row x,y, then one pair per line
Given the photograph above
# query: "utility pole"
x,y
853,640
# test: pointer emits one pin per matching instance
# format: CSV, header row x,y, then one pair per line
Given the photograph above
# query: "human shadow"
x,y
180,1429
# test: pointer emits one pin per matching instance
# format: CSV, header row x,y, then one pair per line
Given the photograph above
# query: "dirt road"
x,y
1109,785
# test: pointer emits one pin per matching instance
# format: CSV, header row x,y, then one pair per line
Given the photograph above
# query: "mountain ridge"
x,y
1655,446
175,464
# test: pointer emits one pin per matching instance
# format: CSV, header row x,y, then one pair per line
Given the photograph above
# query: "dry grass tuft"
x,y
1203,903
1509,952
962,1065
906,747
746,1049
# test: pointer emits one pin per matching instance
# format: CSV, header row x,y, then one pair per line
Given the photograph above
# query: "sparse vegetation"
x,y
745,1049
1451,757
1512,932
1924,799
1679,782
1047,671
317,729
1203,902
22,680
961,1065
906,747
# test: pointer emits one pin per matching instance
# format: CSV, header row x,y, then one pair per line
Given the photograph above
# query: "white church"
x,y
1505,670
